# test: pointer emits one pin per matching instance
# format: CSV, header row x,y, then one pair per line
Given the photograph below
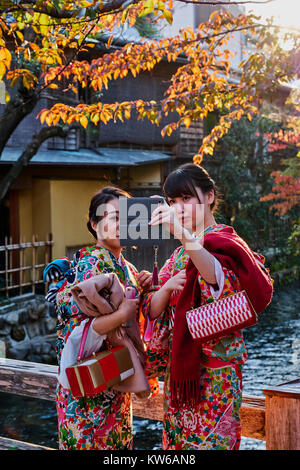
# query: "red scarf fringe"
x,y
186,393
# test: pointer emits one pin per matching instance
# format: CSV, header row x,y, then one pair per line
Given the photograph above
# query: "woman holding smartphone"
x,y
202,383
103,422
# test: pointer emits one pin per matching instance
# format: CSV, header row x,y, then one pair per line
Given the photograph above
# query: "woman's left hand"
x,y
144,279
164,214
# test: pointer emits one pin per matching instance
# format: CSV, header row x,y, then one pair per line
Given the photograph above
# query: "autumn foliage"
x,y
287,190
40,44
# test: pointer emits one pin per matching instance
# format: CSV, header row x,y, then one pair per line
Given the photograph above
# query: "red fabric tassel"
x,y
155,275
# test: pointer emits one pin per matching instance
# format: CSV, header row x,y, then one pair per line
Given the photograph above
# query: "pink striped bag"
x,y
221,317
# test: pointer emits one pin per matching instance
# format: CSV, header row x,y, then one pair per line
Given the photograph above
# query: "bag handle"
x,y
83,339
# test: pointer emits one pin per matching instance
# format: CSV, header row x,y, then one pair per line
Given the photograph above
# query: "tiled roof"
x,y
104,156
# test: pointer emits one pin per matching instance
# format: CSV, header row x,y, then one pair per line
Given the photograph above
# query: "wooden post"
x,y
283,416
10,276
6,266
21,264
33,262
47,256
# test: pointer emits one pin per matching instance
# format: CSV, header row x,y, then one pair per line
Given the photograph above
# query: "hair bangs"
x,y
179,184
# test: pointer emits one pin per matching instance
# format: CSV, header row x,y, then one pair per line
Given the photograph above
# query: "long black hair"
x,y
184,179
102,197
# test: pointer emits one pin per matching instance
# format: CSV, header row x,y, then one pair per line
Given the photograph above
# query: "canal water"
x,y
273,357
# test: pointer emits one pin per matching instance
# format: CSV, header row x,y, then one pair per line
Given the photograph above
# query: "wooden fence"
x,y
22,268
274,418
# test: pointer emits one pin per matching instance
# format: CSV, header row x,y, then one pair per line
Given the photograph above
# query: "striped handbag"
x,y
221,317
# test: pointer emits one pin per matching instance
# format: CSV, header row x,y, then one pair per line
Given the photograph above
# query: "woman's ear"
x,y
210,196
94,225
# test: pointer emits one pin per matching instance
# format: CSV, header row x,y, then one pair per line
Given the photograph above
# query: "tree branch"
x,y
15,110
219,2
106,7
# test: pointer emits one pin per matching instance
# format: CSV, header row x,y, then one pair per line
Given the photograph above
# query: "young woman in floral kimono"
x,y
202,384
105,421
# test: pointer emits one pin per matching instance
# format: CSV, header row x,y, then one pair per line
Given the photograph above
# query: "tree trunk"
x,y
15,110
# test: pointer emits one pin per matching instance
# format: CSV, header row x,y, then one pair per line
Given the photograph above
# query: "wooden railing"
x,y
274,418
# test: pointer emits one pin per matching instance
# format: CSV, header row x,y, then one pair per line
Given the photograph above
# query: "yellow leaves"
x,y
95,117
167,14
42,115
167,130
5,61
200,85
54,86
20,35
44,23
28,79
85,4
187,122
197,159
40,23
147,8
84,121
2,70
51,119
156,7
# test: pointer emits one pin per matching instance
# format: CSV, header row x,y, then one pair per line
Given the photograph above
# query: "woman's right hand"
x,y
128,309
176,283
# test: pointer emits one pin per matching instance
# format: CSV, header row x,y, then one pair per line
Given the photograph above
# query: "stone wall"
x,y
28,328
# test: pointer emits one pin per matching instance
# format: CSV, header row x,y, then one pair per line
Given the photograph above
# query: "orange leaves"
x,y
85,114
203,82
28,79
287,189
282,139
198,87
167,130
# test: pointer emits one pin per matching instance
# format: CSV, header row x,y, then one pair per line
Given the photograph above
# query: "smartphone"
x,y
130,292
134,217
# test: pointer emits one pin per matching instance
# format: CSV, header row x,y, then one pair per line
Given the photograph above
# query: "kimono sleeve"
x,y
157,331
165,273
86,267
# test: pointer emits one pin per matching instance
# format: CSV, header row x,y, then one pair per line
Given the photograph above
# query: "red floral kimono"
x,y
214,423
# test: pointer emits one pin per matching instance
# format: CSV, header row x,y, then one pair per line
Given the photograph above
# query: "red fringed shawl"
x,y
233,253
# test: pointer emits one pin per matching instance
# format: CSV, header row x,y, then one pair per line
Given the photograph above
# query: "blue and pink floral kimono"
x,y
105,421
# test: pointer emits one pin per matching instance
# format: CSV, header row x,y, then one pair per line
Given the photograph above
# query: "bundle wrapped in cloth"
x,y
102,295
99,372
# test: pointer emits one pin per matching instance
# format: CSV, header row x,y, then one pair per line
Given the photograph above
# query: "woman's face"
x,y
190,213
108,228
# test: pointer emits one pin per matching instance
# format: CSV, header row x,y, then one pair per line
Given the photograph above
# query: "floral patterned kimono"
x,y
104,421
215,422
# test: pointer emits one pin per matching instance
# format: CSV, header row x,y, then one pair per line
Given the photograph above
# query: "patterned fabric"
x,y
214,423
103,422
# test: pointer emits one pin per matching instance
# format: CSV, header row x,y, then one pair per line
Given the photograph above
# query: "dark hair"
x,y
102,197
183,180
